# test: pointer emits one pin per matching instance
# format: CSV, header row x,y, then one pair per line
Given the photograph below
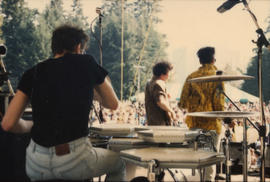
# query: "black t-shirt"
x,y
61,93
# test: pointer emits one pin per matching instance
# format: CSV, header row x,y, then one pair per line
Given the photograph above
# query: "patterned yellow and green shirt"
x,y
202,96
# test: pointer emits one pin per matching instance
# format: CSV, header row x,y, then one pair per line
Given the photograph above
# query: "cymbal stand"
x,y
244,149
244,144
228,162
222,92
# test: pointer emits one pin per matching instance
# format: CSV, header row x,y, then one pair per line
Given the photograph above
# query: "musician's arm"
x,y
164,104
105,94
12,121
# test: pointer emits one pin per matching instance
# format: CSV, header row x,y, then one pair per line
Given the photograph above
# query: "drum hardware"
x,y
151,173
99,141
219,78
231,114
262,134
228,163
205,140
116,130
140,179
174,177
169,135
171,158
222,114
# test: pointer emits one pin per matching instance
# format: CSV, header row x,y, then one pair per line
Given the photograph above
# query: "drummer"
x,y
197,97
158,109
61,90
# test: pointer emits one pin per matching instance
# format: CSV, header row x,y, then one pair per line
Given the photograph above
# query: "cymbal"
x,y
218,78
223,114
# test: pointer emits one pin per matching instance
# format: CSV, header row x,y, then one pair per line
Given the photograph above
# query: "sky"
x,y
192,24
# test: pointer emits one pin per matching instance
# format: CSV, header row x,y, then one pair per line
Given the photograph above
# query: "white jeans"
x,y
83,162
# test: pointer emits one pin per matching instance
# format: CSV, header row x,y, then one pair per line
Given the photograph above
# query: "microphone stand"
x,y
100,39
262,41
100,60
8,81
98,11
11,91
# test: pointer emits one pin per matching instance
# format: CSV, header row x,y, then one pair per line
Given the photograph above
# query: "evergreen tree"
x,y
20,37
137,45
76,16
251,86
52,17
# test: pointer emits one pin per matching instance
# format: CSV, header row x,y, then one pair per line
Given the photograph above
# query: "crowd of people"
x,y
134,112
130,112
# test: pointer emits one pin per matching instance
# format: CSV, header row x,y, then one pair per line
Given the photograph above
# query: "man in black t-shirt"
x,y
61,91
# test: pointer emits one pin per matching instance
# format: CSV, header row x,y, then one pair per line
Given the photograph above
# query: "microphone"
x,y
227,5
3,50
98,11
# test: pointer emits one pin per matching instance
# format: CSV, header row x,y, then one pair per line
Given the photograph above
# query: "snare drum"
x,y
118,130
168,135
119,144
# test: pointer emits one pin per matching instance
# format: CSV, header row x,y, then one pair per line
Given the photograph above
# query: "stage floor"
x,y
140,171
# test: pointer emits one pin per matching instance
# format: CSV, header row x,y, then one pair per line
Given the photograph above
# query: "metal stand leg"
x,y
202,174
244,150
227,154
151,174
193,172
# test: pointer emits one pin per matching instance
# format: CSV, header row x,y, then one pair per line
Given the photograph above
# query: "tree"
x,y
251,86
52,17
20,37
76,16
141,41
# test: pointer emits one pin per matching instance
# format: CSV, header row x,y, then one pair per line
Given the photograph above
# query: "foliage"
x,y
27,34
76,16
251,86
137,23
20,37
48,20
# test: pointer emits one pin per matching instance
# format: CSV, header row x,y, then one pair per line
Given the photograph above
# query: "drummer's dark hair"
x,y
66,38
162,67
206,55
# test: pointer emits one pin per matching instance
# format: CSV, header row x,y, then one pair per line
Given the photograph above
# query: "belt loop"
x,y
72,147
34,146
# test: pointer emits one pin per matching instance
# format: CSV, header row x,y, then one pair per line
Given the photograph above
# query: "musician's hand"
x,y
232,124
175,123
172,115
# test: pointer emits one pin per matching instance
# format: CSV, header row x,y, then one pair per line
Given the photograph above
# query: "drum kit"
x,y
162,147
227,116
157,147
